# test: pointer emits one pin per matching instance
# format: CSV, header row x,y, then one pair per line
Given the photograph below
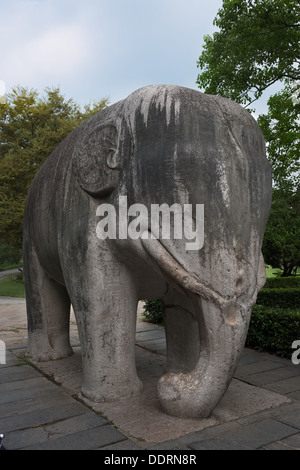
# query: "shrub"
x,y
153,311
282,298
19,278
273,329
282,282
9,256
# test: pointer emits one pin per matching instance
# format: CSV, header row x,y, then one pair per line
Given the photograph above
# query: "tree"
x,y
281,244
281,129
30,128
257,45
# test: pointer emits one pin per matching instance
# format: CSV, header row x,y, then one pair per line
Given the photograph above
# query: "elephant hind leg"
x,y
48,312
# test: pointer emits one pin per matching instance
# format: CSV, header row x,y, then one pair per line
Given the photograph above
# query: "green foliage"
x,y
153,311
273,329
281,129
257,44
281,244
8,257
282,282
275,319
283,298
30,128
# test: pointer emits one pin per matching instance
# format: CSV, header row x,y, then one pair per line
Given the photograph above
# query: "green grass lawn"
x,y
272,272
10,288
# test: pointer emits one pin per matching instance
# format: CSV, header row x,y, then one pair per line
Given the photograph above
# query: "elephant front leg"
x,y
106,318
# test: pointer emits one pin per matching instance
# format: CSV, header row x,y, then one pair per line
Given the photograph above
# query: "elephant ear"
x,y
97,162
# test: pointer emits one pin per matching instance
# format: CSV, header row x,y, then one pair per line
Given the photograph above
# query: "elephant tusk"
x,y
176,272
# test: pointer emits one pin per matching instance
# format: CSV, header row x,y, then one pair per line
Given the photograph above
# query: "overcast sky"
x,y
102,48
95,49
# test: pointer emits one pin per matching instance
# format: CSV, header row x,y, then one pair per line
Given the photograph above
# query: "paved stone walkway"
x,y
39,412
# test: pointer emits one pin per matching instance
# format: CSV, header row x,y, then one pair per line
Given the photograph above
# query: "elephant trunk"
x,y
223,326
222,338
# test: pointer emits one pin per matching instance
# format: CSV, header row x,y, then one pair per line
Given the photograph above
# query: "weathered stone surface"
x,y
162,145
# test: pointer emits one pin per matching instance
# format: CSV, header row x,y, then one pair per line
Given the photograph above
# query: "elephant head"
x,y
172,145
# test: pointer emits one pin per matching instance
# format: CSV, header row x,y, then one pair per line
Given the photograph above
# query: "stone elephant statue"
x,y
163,146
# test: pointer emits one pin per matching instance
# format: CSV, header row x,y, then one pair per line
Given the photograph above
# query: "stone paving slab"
x,y
270,376
90,439
294,395
240,400
42,434
249,370
17,374
253,436
243,434
285,386
28,389
37,414
293,442
280,413
41,406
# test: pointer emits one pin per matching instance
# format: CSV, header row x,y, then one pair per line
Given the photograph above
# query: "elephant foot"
x,y
48,354
177,394
40,349
114,392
